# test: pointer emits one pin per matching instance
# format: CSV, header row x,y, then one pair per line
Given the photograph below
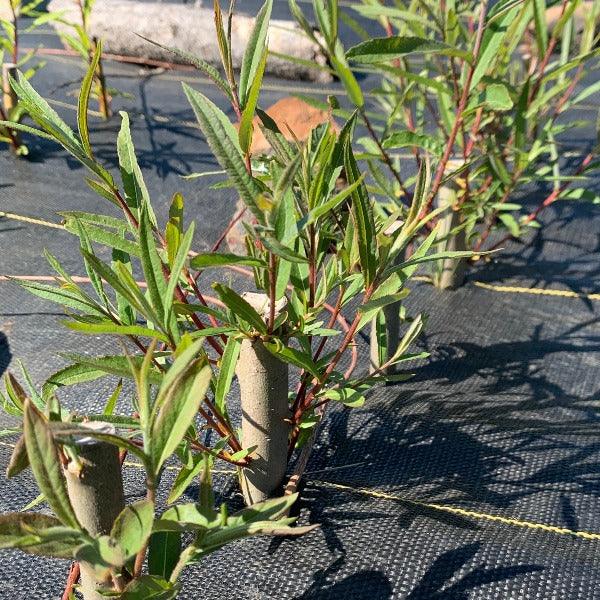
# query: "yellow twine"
x,y
509,289
464,512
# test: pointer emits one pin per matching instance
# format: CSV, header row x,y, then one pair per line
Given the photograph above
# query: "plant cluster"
x,y
333,237
480,90
322,250
50,442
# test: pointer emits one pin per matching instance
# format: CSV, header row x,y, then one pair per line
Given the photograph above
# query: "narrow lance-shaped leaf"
x,y
163,553
347,78
111,328
36,533
47,118
224,49
152,265
409,337
18,459
362,216
136,192
123,282
64,433
185,477
208,69
493,37
389,48
255,52
84,99
295,357
240,307
111,403
86,245
64,297
541,26
177,413
111,239
150,587
176,268
174,228
246,123
90,368
42,452
227,366
219,259
222,139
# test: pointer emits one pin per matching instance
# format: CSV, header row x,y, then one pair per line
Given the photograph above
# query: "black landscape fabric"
x,y
431,491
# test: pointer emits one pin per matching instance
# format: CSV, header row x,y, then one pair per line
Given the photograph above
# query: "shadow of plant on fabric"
x,y
5,354
439,582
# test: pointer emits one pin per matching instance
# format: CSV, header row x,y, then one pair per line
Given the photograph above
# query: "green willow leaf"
x,y
110,328
102,236
123,283
47,118
331,204
19,460
493,38
362,216
36,533
64,433
208,69
184,479
227,366
152,265
84,100
389,48
176,268
541,26
219,259
133,527
104,221
281,250
268,510
89,368
255,53
294,357
163,553
347,78
42,452
150,587
177,413
61,296
403,139
240,307
136,192
246,123
111,403
174,228
222,139
26,129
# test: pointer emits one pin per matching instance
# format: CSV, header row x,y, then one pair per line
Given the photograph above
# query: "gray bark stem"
x,y
263,380
449,273
96,493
